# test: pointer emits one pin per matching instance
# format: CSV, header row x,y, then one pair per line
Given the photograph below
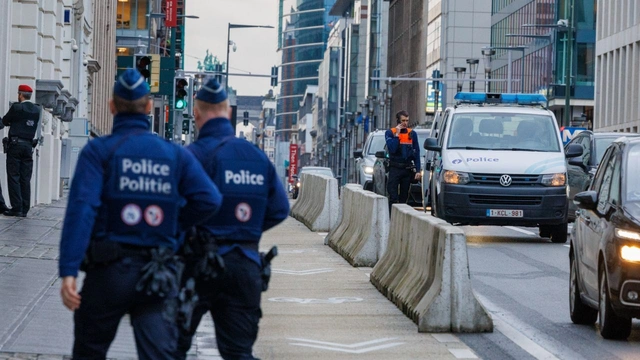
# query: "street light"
x,y
564,25
509,49
487,53
549,37
229,43
473,71
460,75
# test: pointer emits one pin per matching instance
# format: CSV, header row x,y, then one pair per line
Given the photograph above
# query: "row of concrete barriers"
x,y
419,262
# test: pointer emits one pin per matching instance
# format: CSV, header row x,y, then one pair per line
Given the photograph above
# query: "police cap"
x,y
131,85
212,92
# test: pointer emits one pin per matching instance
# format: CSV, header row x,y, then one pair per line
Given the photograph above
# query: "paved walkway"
x,y
317,307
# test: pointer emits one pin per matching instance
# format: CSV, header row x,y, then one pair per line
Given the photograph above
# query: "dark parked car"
x,y
580,169
318,170
381,171
605,246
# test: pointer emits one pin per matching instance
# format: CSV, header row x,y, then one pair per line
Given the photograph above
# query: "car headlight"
x,y
455,177
630,253
368,169
626,234
298,184
559,179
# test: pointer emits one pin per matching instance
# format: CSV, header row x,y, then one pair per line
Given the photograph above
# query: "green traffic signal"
x,y
180,104
180,93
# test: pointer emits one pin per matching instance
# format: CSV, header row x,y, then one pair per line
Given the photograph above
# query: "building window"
x,y
586,64
132,14
67,16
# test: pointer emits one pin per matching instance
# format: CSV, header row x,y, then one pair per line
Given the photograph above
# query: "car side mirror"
x,y
587,200
573,150
380,154
357,154
431,144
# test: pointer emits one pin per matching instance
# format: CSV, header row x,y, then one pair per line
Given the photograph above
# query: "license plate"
x,y
504,213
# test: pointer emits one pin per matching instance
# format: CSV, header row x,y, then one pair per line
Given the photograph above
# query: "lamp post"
x,y
459,75
473,71
549,37
509,49
487,53
229,42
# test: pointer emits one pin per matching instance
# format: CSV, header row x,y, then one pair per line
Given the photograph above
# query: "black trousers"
x,y
398,177
108,293
234,302
19,170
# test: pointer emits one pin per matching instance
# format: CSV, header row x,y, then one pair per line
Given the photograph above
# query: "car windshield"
x,y
503,131
633,173
326,172
377,144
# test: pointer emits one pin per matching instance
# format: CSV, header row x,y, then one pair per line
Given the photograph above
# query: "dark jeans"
x,y
108,293
234,302
19,170
398,177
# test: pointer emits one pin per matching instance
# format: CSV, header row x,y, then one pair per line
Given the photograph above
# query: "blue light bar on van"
x,y
489,98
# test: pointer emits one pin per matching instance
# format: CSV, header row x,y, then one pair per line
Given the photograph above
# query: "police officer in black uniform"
x,y
254,200
404,159
131,195
23,118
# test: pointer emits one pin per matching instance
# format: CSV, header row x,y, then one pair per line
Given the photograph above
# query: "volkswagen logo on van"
x,y
505,180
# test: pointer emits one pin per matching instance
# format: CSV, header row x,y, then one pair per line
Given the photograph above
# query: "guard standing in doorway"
x,y
23,119
404,159
131,195
233,272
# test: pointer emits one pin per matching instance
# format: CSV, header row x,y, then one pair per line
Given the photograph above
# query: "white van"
x,y
500,162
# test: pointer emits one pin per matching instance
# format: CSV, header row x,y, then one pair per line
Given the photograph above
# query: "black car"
x,y
381,171
605,245
580,169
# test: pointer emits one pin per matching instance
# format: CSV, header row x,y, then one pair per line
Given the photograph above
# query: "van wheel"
x,y
579,312
612,326
558,233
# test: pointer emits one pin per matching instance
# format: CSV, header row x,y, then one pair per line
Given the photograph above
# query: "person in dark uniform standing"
x,y
254,200
404,159
23,119
132,195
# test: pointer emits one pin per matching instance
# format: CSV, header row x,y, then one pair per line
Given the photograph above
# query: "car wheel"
x,y
368,186
612,326
295,195
580,313
558,233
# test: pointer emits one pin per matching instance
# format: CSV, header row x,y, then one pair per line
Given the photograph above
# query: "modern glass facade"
x,y
305,39
545,53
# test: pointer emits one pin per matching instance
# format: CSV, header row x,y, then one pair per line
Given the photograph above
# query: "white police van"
x,y
501,162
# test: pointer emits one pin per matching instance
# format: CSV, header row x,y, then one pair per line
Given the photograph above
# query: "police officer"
x,y
132,192
404,159
23,118
254,200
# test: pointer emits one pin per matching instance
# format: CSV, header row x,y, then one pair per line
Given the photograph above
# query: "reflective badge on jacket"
x,y
143,195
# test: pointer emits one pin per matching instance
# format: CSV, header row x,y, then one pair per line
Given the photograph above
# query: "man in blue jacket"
x,y
404,159
254,201
131,196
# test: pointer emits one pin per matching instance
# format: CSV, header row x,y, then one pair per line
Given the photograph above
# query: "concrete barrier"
x,y
317,204
425,272
361,235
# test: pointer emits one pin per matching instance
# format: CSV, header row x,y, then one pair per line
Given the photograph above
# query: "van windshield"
x,y
503,131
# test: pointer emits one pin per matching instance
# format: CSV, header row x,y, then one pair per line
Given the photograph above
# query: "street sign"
x,y
567,133
293,161
171,15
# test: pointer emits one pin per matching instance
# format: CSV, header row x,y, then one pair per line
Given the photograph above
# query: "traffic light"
x,y
274,76
180,93
143,64
186,123
217,68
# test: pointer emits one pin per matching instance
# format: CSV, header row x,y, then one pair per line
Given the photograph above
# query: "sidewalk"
x,y
317,305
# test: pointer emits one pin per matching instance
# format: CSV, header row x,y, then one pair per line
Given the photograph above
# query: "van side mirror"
x,y
380,154
357,153
431,144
